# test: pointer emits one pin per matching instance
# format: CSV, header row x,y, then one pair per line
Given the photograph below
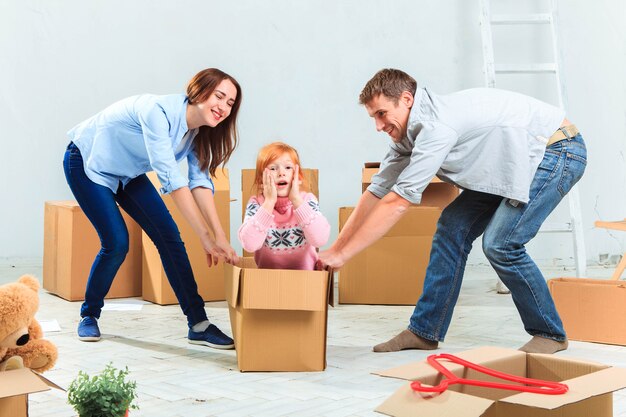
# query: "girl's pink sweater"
x,y
287,237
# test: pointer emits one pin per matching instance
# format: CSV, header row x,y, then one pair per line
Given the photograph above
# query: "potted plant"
x,y
107,394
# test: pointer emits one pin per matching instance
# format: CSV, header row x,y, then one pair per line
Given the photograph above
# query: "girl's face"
x,y
282,170
219,104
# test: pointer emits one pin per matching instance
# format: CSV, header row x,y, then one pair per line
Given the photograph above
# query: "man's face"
x,y
390,117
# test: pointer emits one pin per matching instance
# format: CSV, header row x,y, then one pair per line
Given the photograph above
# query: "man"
x,y
514,157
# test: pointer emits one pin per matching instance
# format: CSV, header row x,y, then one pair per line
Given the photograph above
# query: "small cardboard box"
x,y
437,193
310,185
392,270
278,317
15,385
70,247
590,387
592,310
155,285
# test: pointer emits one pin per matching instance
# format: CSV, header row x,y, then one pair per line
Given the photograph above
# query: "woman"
x,y
105,165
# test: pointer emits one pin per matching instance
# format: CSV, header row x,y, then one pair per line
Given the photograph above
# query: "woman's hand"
x,y
294,193
270,193
217,250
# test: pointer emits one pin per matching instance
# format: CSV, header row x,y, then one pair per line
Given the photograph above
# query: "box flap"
x,y
232,275
23,381
371,165
407,403
331,287
422,370
284,289
580,388
221,181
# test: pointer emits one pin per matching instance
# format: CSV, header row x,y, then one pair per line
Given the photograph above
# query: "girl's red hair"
x,y
267,155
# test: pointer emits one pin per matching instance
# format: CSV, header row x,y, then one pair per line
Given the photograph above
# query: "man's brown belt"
x,y
565,132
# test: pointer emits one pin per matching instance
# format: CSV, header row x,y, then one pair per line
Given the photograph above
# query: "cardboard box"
x,y
278,317
155,285
392,270
70,247
311,185
590,388
437,193
15,385
592,310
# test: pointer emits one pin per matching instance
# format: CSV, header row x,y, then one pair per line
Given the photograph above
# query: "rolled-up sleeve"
x,y
390,168
155,128
198,177
433,142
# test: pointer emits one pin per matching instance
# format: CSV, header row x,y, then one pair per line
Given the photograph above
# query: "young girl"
x,y
105,165
283,225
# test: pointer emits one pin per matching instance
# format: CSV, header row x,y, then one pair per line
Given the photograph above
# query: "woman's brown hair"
x,y
214,145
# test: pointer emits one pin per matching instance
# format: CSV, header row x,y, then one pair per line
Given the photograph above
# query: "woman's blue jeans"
x,y
507,227
142,202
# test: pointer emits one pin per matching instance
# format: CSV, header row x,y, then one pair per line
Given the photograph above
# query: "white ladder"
x,y
574,226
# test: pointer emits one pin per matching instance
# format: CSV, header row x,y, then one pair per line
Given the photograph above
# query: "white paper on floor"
x,y
124,305
50,326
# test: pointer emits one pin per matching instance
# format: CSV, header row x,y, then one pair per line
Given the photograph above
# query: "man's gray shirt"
x,y
481,139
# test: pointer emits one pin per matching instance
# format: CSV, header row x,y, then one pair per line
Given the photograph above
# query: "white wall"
x,y
302,65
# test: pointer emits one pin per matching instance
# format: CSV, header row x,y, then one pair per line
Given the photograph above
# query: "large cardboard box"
x,y
437,193
392,270
592,310
155,285
70,247
310,185
590,388
15,385
278,317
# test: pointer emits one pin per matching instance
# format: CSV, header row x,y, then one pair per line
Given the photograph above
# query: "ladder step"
x,y
556,228
511,19
525,68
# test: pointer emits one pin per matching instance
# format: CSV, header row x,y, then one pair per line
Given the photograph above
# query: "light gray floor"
x,y
178,379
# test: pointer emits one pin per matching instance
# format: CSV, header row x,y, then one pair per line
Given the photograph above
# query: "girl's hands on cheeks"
x,y
269,191
294,193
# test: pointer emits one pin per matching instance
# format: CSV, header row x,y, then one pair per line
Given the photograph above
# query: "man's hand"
x,y
332,258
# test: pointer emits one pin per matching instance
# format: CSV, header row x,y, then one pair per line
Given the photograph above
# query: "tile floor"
x,y
178,379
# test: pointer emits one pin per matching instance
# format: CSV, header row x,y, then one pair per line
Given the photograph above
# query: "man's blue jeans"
x,y
507,227
142,202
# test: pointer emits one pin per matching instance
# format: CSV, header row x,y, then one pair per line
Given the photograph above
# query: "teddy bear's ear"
x,y
30,281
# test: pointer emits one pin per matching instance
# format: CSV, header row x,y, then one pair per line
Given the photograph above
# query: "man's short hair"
x,y
390,83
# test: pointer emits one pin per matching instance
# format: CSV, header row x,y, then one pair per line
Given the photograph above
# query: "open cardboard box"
x,y
590,387
70,247
592,310
155,285
278,317
15,385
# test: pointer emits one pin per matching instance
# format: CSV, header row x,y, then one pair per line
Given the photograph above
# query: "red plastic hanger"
x,y
536,385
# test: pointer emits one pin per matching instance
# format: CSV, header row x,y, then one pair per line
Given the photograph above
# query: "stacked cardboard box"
x,y
592,310
278,317
392,270
155,286
70,247
590,387
15,386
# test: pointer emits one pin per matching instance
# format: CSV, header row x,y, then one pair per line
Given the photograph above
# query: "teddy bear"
x,y
21,343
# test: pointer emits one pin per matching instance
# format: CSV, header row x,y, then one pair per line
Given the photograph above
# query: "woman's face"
x,y
282,170
219,104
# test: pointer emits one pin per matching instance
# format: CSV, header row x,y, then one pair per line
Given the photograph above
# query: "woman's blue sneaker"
x,y
88,330
212,337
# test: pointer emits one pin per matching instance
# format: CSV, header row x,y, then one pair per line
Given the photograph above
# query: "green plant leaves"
x,y
107,394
